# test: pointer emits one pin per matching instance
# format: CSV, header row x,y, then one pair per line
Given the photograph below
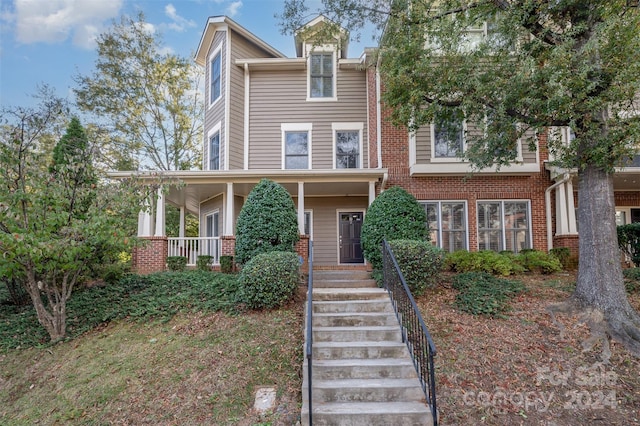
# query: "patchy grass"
x,y
195,369
519,370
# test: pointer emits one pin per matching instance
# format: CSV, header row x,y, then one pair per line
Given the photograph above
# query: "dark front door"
x,y
350,246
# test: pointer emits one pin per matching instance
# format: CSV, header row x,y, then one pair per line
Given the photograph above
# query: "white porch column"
x,y
228,215
571,207
372,192
182,226
144,220
562,219
301,208
160,216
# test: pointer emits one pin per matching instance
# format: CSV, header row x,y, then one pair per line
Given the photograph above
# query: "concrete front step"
x,y
358,350
340,275
355,293
369,414
377,368
336,283
342,319
367,390
355,334
352,306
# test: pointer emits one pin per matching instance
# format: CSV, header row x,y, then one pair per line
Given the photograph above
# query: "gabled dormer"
x,y
323,44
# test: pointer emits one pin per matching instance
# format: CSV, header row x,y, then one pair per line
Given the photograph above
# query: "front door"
x,y
350,245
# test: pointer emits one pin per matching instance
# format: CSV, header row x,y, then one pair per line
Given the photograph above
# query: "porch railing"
x,y
414,330
191,248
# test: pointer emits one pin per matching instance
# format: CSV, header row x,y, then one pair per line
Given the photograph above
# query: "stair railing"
x,y
414,331
309,345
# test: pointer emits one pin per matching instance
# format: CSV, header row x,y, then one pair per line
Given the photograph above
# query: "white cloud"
x,y
179,23
233,8
54,21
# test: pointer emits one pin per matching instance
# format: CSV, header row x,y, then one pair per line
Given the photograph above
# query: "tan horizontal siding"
x,y
216,113
281,97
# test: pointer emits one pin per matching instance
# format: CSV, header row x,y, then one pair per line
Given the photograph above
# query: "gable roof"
x,y
215,23
317,25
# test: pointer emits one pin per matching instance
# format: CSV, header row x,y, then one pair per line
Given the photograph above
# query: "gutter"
x,y
547,199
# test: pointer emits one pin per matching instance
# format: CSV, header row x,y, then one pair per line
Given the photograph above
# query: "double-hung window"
x,y
296,139
447,224
321,75
347,145
506,136
215,89
447,135
214,152
504,225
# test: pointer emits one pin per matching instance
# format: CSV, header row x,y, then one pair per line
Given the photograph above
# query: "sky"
x,y
51,41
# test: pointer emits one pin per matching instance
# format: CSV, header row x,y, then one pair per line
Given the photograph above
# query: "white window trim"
x,y
466,218
435,159
217,51
502,228
211,214
296,127
353,126
323,50
215,129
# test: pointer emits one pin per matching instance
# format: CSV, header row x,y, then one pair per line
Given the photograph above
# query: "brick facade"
x,y
395,158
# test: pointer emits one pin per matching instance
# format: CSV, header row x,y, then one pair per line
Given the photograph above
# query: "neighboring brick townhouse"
x,y
315,124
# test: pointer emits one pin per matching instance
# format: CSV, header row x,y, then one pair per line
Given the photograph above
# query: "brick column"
x,y
228,245
151,256
302,248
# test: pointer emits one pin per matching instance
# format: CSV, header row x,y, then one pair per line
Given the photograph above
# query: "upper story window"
x,y
322,76
347,145
296,140
508,133
214,152
504,225
447,136
215,89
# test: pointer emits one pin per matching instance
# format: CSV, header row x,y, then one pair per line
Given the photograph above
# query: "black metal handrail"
x,y
309,345
414,330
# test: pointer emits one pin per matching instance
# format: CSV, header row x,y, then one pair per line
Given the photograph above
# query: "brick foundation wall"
x,y
151,256
569,241
302,248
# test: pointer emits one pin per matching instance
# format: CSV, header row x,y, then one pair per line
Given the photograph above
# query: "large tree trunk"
x,y
600,288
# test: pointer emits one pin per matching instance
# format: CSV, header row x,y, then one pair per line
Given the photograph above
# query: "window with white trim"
x,y
505,130
322,75
214,151
504,225
347,145
215,81
447,224
296,146
447,136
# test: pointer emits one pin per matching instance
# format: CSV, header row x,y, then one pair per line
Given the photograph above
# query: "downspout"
x,y
378,113
547,199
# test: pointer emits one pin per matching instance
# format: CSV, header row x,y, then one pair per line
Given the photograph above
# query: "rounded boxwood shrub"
x,y
177,263
394,214
267,222
269,279
483,261
420,263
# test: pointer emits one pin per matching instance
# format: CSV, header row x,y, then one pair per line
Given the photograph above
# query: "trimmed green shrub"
x,y
203,263
538,261
266,223
483,261
629,241
563,254
177,263
632,279
226,264
269,279
394,214
420,263
480,293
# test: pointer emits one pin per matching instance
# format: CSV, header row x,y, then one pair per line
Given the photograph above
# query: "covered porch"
x,y
216,198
